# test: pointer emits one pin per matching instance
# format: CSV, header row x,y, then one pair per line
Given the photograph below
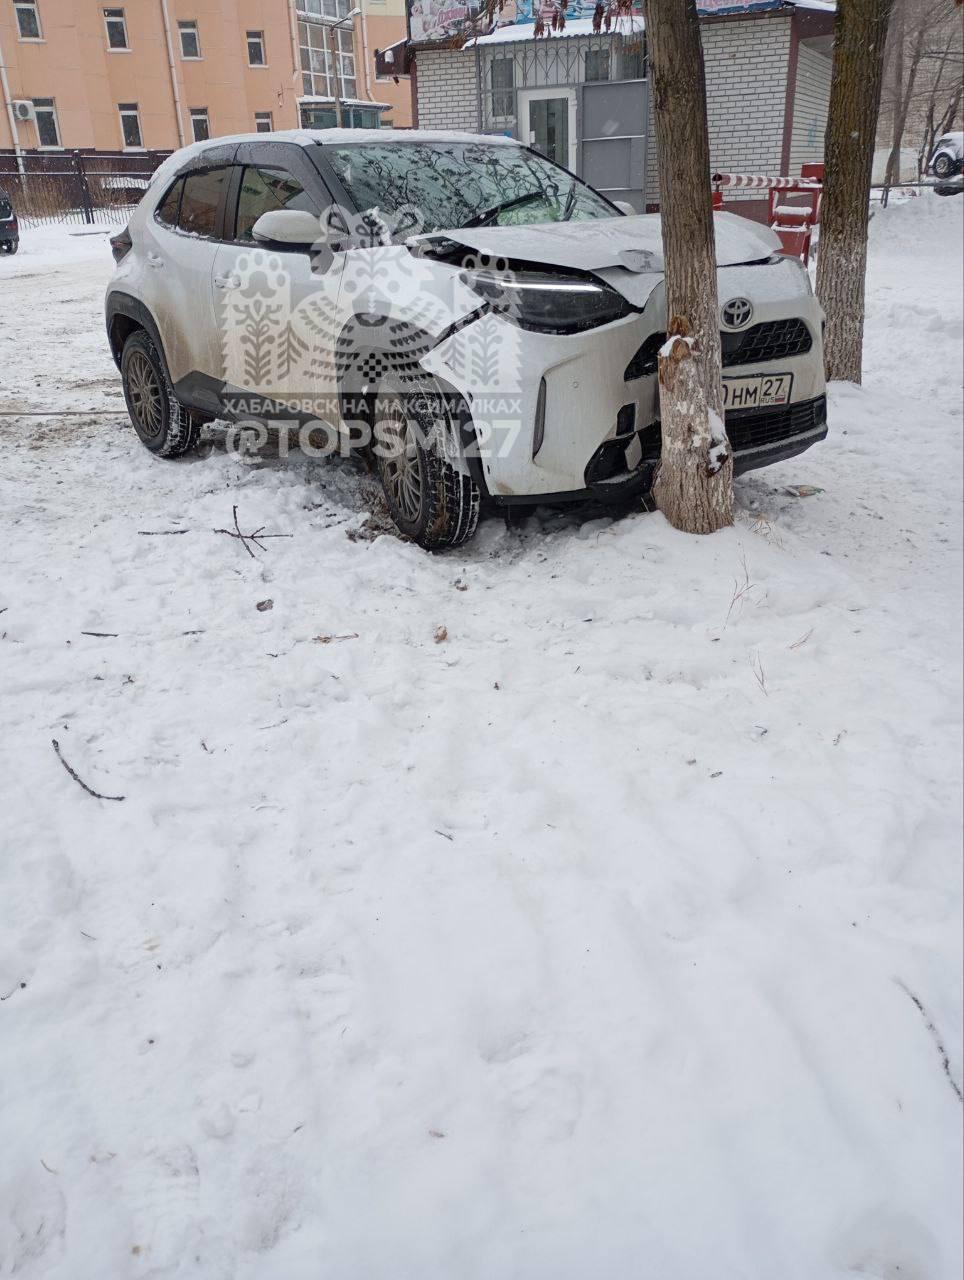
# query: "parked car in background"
x,y
489,319
9,227
947,158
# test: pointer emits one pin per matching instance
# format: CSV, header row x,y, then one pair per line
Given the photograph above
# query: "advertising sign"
x,y
440,19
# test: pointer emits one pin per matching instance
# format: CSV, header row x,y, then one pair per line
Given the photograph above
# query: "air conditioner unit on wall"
x,y
23,111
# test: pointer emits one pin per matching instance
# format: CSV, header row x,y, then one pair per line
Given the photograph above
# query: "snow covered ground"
x,y
617,935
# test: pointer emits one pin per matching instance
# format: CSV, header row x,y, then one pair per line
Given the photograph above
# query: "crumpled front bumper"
x,y
588,401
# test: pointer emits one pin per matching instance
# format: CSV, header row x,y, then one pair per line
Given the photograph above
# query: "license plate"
x,y
760,392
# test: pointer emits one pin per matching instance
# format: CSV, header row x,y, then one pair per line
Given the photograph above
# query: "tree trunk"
x,y
860,35
694,485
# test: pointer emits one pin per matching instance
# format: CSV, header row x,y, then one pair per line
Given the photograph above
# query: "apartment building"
x,y
155,74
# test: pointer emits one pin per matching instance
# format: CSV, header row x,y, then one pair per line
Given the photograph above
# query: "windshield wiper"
x,y
570,203
480,219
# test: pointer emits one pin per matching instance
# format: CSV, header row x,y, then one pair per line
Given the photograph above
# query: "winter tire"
x,y
162,423
430,500
11,246
942,166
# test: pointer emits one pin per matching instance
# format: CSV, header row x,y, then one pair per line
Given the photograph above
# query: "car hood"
x,y
627,252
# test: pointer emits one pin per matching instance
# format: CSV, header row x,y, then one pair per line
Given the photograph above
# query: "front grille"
x,y
756,428
772,340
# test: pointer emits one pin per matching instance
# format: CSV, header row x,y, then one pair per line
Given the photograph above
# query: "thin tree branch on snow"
x,y
929,1024
245,538
90,790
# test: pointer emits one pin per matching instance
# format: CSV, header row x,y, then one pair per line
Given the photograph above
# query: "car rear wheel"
x,y
162,423
11,246
943,165
430,499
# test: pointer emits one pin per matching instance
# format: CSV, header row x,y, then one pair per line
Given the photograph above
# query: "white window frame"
x,y
33,7
200,113
52,108
323,84
189,26
262,116
118,16
502,89
130,109
250,37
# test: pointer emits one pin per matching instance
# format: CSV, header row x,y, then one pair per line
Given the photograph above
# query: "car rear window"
x,y
200,200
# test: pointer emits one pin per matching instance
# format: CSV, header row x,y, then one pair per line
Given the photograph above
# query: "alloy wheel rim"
x,y
144,388
403,466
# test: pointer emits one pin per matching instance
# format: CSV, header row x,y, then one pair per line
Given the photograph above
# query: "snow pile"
x,y
617,932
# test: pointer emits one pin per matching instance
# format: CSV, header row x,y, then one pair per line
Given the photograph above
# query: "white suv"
x,y
479,318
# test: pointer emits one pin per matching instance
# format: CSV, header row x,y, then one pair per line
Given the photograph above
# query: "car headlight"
x,y
549,303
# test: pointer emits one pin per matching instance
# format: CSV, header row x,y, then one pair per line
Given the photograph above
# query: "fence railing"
x,y
76,186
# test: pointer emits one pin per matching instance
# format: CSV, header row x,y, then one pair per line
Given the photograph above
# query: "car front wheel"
x,y
162,423
429,498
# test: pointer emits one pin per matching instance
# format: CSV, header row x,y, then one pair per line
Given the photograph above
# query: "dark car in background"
x,y
9,230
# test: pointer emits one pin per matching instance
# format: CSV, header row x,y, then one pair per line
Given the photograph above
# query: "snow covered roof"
x,y
326,138
321,100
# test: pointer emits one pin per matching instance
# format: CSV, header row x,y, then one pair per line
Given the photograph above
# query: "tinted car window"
x,y
200,200
263,190
167,209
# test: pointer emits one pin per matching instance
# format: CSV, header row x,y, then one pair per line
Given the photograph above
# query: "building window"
x,y
48,133
330,9
200,124
352,117
317,75
28,20
632,59
116,29
130,124
263,122
190,41
597,64
502,82
255,41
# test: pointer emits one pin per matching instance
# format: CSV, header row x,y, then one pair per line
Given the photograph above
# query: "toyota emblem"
x,y
737,313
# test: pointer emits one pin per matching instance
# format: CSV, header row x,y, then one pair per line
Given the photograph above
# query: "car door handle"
x,y
154,260
227,282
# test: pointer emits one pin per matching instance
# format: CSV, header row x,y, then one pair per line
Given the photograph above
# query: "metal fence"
x,y
76,186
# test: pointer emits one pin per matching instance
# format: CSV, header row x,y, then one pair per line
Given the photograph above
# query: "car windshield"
x,y
445,185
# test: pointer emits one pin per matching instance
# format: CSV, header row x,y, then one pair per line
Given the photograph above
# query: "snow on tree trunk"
x,y
694,485
860,37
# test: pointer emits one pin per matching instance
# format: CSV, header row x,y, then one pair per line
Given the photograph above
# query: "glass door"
x,y
547,123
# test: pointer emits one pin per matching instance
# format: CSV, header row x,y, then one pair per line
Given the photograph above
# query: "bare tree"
x,y
860,36
920,42
694,485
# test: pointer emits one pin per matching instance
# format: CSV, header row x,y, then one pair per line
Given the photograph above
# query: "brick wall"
x,y
746,83
447,93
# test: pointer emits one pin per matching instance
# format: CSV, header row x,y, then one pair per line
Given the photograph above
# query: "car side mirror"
x,y
288,226
625,207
